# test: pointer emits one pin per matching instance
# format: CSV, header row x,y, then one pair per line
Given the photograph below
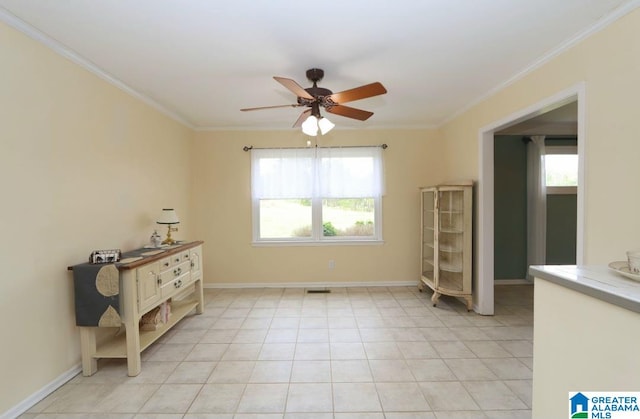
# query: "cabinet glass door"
x,y
451,235
428,234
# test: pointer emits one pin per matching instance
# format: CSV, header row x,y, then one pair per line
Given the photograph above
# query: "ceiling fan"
x,y
315,97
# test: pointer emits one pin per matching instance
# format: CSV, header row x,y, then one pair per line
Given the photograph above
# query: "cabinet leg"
x,y
88,349
199,296
469,303
134,363
435,297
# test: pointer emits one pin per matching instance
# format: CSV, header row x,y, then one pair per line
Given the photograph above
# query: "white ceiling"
x,y
200,61
562,121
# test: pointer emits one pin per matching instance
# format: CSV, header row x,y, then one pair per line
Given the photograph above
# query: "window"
x,y
317,194
561,170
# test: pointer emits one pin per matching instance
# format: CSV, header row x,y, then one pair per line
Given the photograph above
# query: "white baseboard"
x,y
512,282
32,400
215,285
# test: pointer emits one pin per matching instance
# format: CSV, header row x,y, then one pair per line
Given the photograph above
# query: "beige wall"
x,y
577,349
222,210
81,168
609,65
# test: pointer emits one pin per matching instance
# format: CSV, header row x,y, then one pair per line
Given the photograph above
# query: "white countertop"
x,y
597,281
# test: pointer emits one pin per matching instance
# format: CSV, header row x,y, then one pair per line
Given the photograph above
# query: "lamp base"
x,y
169,240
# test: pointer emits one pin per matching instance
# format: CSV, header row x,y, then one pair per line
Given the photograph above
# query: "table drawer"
x,y
174,272
169,289
174,260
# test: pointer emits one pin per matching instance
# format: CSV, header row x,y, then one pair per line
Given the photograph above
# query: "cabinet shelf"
x,y
117,347
427,278
450,249
450,286
450,268
451,231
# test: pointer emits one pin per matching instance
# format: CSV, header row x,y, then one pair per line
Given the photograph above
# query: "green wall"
x,y
510,207
510,211
561,229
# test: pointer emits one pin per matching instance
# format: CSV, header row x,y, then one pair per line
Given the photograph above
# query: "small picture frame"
x,y
105,256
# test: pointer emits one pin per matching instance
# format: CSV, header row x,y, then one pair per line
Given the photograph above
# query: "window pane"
x,y
348,217
285,218
561,169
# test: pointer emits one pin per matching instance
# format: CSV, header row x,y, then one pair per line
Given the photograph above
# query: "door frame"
x,y
484,231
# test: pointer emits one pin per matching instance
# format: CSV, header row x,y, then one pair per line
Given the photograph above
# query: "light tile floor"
x,y
381,352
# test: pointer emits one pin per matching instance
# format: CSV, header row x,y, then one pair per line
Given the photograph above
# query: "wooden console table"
x,y
144,280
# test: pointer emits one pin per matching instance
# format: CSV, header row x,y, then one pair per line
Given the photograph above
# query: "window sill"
x,y
301,243
562,190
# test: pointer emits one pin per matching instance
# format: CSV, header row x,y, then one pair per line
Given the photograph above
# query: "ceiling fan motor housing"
x,y
315,74
317,92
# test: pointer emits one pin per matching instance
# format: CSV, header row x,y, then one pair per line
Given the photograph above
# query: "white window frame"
x,y
317,237
561,149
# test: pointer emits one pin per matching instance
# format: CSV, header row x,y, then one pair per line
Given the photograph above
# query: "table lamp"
x,y
169,217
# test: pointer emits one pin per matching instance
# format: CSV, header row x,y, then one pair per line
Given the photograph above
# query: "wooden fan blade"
x,y
362,92
303,117
349,112
294,87
295,105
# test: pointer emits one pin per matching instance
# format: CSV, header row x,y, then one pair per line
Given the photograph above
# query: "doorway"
x,y
484,231
554,242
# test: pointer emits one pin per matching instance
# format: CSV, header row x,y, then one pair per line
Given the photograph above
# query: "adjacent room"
x,y
290,210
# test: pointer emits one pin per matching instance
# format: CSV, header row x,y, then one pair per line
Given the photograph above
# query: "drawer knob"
x,y
178,283
177,271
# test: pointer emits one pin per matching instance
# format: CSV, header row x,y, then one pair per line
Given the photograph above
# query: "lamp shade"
x,y
168,216
325,125
310,126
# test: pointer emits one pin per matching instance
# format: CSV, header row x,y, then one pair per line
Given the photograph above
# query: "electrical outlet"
x,y
332,264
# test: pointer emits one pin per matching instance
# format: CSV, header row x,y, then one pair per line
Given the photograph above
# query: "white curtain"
x,y
282,173
349,172
354,172
536,202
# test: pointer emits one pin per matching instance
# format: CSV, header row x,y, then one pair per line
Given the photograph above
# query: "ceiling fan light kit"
x,y
325,125
310,126
315,97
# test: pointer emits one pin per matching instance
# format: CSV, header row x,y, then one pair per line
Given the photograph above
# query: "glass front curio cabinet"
x,y
447,241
